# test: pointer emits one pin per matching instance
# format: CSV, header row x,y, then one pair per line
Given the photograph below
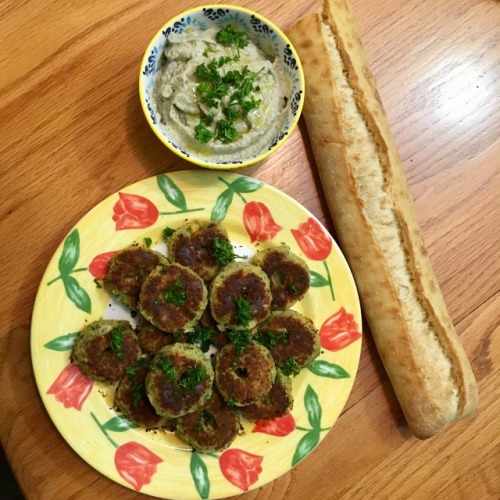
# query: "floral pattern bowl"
x,y
264,34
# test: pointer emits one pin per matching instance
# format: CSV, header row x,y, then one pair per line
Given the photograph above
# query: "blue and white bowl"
x,y
266,35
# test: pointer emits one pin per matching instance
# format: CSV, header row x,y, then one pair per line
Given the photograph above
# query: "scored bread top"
x,y
373,213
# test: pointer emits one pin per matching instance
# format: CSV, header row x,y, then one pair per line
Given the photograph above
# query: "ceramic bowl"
x,y
268,38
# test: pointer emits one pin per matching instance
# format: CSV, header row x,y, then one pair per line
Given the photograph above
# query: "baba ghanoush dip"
x,y
218,96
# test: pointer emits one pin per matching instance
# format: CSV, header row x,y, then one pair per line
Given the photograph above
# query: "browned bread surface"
x,y
371,207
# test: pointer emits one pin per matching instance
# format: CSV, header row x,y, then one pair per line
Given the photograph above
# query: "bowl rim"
x,y
211,164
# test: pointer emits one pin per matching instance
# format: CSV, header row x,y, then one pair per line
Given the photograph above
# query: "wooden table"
x,y
72,132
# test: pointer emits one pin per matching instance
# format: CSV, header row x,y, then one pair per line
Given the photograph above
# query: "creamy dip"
x,y
222,101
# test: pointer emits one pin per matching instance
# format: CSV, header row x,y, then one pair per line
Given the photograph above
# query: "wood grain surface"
x,y
72,132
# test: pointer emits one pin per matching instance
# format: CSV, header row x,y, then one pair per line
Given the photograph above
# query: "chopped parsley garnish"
x,y
203,134
229,37
148,242
293,288
223,252
270,339
138,390
201,337
291,367
175,295
240,339
243,311
206,419
233,88
226,132
167,232
192,377
167,367
97,284
116,342
231,403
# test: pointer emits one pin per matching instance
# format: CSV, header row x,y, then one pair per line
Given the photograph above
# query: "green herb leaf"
x,y
77,294
148,242
62,343
306,444
167,232
243,311
200,336
176,295
70,253
270,338
223,252
191,378
116,342
226,132
228,36
290,367
199,473
250,104
240,339
202,134
167,367
326,369
172,193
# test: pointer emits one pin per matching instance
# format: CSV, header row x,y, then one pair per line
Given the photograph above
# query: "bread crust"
x,y
373,213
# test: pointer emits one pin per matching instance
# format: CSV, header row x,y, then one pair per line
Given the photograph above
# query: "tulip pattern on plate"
x,y
256,216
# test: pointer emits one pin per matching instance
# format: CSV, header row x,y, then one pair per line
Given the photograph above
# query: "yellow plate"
x,y
256,216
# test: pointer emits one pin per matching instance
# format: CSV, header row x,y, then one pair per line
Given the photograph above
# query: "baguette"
x,y
373,213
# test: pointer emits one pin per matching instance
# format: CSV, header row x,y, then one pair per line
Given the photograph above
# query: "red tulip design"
x,y
259,222
316,244
99,265
71,387
339,330
240,467
281,426
136,464
313,240
132,211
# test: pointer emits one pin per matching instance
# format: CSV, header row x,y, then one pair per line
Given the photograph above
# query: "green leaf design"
x,y
172,193
245,185
199,473
221,206
326,369
317,280
70,253
77,294
62,343
306,444
119,424
313,408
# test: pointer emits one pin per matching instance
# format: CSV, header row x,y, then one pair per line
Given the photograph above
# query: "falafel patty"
x,y
179,380
131,397
240,296
276,403
152,339
127,270
288,275
173,298
244,377
211,428
105,348
198,245
291,338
